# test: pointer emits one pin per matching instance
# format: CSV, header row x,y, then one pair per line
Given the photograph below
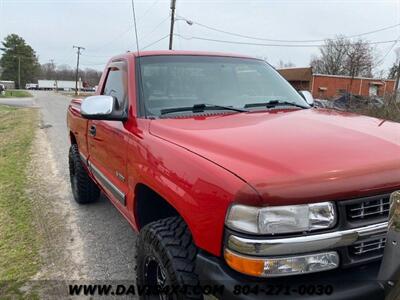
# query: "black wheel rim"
x,y
155,277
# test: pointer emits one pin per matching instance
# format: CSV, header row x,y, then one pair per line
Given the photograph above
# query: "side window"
x,y
116,84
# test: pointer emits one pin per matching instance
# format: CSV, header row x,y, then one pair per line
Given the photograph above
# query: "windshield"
x,y
174,81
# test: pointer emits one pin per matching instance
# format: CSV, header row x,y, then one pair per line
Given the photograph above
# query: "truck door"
x,y
106,139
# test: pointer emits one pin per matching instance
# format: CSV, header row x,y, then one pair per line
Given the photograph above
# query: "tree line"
x,y
20,64
343,56
64,72
338,56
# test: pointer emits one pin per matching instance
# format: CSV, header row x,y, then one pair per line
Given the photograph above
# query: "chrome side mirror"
x,y
308,97
102,107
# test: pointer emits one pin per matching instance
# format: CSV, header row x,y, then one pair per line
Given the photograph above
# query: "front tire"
x,y
166,258
83,187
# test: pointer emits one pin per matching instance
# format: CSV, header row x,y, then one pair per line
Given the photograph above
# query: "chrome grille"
x,y
378,207
369,247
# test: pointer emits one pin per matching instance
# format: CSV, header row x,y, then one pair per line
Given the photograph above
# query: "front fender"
x,y
197,188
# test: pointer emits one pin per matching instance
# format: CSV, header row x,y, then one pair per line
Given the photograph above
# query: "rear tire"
x,y
166,258
83,187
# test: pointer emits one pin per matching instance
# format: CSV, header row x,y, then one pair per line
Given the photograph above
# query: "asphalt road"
x,y
108,241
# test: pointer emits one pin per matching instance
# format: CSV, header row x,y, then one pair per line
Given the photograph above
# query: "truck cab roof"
x,y
177,52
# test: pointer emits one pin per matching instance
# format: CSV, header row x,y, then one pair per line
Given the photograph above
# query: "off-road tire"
x,y
83,187
170,243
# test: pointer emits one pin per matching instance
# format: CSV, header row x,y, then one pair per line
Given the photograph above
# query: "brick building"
x,y
330,86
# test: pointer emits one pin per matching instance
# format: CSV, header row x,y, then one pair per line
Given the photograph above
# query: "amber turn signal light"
x,y
245,265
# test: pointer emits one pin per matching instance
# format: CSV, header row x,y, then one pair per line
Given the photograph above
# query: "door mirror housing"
x,y
102,107
308,97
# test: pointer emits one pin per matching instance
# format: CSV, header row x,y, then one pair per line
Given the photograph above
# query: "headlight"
x,y
281,219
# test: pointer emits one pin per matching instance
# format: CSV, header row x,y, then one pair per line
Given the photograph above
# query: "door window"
x,y
116,84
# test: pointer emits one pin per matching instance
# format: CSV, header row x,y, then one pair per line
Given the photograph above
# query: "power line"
x,y
155,27
129,28
148,10
285,41
387,53
117,37
268,45
90,64
95,56
107,56
155,42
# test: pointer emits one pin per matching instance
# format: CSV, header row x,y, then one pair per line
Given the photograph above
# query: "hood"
x,y
295,156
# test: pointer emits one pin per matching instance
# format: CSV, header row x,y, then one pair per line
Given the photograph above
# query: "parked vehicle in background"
x,y
322,103
88,89
61,85
348,101
232,178
2,89
31,86
8,84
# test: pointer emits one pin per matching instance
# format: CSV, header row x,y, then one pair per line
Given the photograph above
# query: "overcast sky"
x,y
105,27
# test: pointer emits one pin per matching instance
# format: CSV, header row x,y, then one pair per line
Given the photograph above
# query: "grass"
x,y
16,94
19,241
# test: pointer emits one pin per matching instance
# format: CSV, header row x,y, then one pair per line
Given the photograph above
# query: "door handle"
x,y
92,130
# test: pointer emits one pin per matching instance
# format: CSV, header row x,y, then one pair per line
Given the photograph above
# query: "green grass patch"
x,y
19,241
16,94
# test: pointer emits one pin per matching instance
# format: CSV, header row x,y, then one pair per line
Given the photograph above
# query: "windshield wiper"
x,y
198,108
273,103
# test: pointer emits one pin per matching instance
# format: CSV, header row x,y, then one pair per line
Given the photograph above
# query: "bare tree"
x,y
395,67
47,71
332,57
359,59
89,76
283,64
341,56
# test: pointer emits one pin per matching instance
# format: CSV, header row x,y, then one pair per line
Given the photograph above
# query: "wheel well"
x,y
150,206
72,138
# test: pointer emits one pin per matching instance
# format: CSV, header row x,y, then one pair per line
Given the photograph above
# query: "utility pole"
x,y
19,68
53,66
19,72
171,32
78,53
397,79
396,86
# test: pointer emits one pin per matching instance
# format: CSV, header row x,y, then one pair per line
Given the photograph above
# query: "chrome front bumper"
x,y
304,244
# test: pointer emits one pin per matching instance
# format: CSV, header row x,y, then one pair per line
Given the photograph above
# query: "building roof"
x,y
356,77
296,74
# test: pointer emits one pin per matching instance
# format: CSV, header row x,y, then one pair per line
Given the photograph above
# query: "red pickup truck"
x,y
232,177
